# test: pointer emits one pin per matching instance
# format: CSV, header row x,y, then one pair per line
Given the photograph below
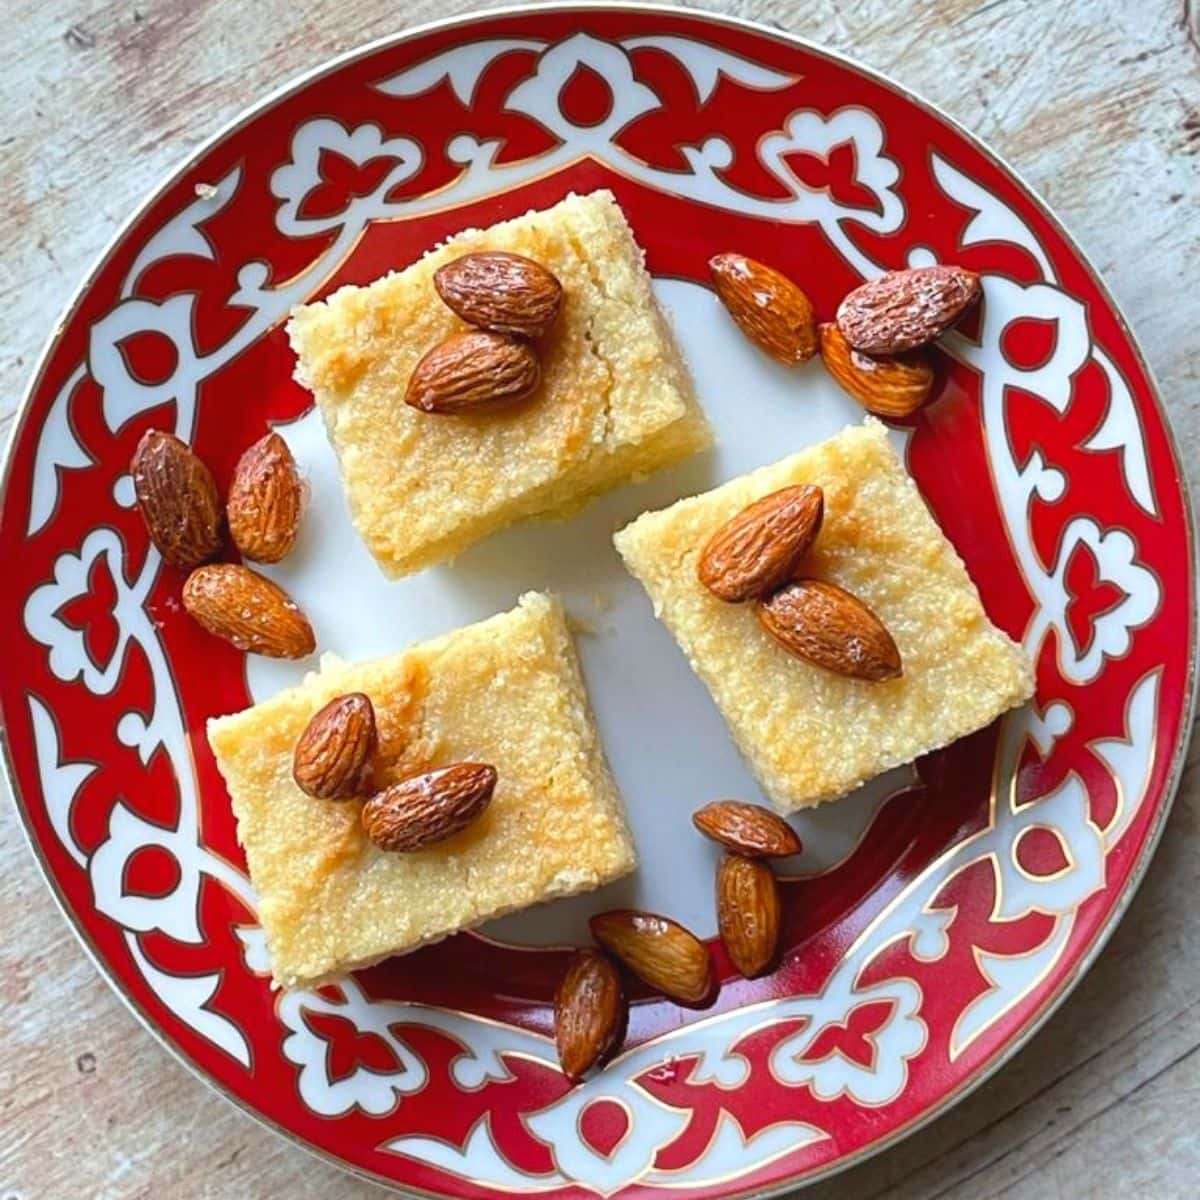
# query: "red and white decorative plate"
x,y
935,917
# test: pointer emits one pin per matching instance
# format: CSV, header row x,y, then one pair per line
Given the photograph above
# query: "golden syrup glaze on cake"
x,y
809,734
615,399
506,691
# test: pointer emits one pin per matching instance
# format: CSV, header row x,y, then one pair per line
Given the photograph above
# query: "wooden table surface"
x,y
1095,102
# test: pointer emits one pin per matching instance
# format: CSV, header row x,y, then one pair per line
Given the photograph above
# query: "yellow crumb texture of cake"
x,y
506,691
809,734
615,400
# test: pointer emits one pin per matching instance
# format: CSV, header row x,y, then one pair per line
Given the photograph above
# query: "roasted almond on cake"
x,y
332,759
428,808
501,291
762,546
827,625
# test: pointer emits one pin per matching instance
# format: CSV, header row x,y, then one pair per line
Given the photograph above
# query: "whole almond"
x,y
265,498
828,626
893,386
659,951
506,293
474,371
902,310
767,306
428,808
762,546
247,609
748,912
747,829
589,1010
333,756
177,498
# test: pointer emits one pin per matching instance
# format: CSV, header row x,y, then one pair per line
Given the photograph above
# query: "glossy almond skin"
x,y
247,609
506,293
589,1012
902,310
760,548
428,808
747,829
473,372
748,912
768,307
333,756
178,500
659,951
826,625
265,500
894,386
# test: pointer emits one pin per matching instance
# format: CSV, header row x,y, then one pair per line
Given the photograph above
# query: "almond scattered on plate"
x,y
428,808
659,951
748,912
747,829
474,371
894,386
828,626
902,310
761,547
265,499
768,307
333,756
506,293
247,609
178,499
589,1011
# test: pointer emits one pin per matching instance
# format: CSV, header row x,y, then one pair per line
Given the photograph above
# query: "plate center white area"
x,y
668,747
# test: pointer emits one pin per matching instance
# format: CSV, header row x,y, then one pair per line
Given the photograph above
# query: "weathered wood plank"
x,y
1096,103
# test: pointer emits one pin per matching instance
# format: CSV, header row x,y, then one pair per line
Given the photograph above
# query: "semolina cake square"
x,y
810,734
615,399
506,691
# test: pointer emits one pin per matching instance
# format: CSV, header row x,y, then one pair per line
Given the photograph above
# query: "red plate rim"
x,y
1137,874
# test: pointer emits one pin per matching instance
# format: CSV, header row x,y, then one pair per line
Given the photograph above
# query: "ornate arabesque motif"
x,y
912,919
